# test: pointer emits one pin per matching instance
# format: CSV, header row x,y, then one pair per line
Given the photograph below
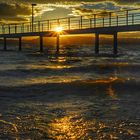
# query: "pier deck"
x,y
112,23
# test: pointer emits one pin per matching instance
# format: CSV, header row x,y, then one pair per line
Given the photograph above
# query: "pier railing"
x,y
106,19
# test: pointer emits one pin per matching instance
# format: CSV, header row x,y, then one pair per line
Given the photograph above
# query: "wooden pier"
x,y
111,24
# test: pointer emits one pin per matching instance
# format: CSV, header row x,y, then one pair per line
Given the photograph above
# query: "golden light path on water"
x,y
72,129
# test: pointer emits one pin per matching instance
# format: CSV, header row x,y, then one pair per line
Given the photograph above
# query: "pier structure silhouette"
x,y
105,23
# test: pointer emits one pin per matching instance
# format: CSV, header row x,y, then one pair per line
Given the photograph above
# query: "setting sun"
x,y
59,29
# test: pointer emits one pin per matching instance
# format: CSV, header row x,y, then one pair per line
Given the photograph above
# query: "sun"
x,y
59,29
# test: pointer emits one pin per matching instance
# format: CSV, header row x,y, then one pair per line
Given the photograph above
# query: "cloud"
x,y
74,1
13,9
20,10
101,8
14,12
80,7
88,13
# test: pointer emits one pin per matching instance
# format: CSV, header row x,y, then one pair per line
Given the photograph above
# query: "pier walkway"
x,y
110,23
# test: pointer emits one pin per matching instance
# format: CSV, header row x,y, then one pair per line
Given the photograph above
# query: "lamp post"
x,y
33,5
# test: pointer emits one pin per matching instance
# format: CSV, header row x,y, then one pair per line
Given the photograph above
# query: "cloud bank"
x,y
13,11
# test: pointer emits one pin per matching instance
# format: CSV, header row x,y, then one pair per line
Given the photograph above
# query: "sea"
x,y
73,95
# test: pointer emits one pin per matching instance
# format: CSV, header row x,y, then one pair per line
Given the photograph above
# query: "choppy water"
x,y
72,96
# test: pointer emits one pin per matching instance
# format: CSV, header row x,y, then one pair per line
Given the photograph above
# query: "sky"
x,y
15,11
20,11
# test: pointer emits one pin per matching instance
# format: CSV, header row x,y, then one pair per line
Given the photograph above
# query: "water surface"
x,y
75,95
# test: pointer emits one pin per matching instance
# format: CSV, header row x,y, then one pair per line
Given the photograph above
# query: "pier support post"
x,y
58,43
115,47
97,43
20,44
41,43
5,44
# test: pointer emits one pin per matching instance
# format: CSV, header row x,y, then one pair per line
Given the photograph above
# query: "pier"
x,y
111,23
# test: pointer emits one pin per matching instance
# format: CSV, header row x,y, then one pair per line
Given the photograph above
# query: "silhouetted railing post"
x,y
68,23
30,27
38,26
110,14
94,20
15,28
127,17
117,20
9,29
90,22
103,21
3,29
22,27
81,22
132,19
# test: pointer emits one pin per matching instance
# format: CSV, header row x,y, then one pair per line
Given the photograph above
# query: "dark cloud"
x,y
101,8
69,1
14,12
7,10
20,10
88,13
17,12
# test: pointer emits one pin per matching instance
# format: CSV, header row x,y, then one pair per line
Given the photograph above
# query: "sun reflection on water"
x,y
48,67
70,127
111,92
53,79
56,63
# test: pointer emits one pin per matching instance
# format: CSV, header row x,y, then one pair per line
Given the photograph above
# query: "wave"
x,y
81,87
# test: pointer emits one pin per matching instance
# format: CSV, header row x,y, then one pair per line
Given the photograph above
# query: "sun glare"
x,y
59,29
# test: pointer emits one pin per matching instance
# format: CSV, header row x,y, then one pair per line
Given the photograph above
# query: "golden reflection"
x,y
106,80
111,92
70,128
121,63
53,79
49,66
59,59
118,64
58,63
